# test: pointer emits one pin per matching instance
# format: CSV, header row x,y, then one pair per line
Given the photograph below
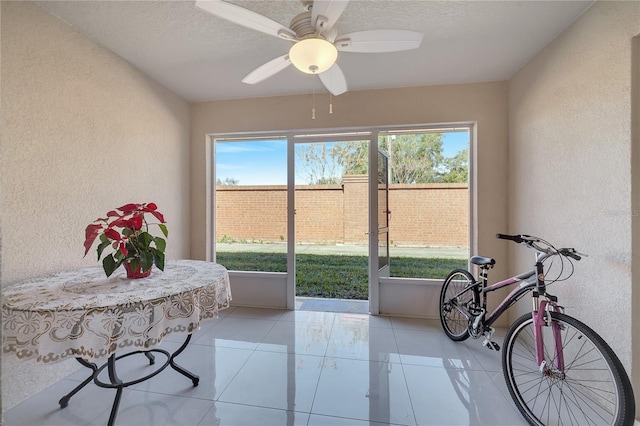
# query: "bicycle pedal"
x,y
491,345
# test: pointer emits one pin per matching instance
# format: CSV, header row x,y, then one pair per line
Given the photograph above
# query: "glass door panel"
x,y
331,219
429,197
251,204
383,214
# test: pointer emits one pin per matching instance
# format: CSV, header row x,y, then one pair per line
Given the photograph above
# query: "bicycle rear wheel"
x,y
594,388
455,296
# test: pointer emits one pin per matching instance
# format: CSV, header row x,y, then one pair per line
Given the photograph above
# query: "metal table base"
x,y
119,385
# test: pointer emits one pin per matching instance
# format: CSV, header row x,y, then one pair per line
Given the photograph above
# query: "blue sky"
x,y
265,162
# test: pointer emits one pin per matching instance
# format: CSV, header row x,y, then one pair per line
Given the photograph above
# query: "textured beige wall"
x,y
482,103
82,132
635,221
570,165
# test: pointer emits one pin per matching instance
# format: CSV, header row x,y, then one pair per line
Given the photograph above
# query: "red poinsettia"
x,y
126,231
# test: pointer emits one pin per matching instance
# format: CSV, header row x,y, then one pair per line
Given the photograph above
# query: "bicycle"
x,y
557,369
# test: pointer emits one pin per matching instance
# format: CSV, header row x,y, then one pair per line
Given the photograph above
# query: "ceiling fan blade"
x,y
265,71
333,79
375,41
329,11
246,17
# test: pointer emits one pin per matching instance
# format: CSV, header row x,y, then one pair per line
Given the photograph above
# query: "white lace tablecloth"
x,y
83,314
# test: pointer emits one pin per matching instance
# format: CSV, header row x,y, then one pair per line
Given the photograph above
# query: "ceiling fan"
x,y
315,42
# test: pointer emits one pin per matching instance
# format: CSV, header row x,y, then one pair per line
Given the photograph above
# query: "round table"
x,y
84,315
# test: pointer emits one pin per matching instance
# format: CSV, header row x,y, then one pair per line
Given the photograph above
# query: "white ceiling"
x,y
202,57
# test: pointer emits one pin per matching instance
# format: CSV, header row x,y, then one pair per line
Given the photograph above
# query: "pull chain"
x,y
330,104
313,101
330,96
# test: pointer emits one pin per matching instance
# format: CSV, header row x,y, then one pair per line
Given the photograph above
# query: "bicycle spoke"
x,y
456,295
586,392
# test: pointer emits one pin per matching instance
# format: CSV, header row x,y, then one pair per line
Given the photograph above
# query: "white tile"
x,y
43,408
318,420
225,414
380,321
359,341
257,313
442,396
498,379
299,338
433,349
276,380
236,332
215,366
363,319
224,312
490,360
297,368
314,317
364,390
399,323
154,409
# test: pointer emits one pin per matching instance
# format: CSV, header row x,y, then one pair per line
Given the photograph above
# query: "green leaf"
x,y
147,261
135,262
103,238
103,245
161,244
158,259
109,265
164,229
127,232
144,238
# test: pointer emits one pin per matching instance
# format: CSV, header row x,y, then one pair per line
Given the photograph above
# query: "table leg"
x,y
117,383
64,401
194,378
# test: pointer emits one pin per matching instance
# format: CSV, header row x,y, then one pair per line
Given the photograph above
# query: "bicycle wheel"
x,y
456,295
594,388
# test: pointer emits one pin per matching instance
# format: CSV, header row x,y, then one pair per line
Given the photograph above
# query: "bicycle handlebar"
x,y
530,241
516,238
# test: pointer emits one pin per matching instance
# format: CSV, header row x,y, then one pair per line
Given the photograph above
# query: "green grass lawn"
x,y
336,276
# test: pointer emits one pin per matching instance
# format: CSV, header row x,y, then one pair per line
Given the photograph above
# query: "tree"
x,y
319,165
457,168
227,182
353,157
413,158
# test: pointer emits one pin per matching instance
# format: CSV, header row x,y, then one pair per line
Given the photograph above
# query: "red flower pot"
x,y
137,273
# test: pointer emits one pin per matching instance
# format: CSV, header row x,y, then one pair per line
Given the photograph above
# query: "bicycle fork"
x,y
539,322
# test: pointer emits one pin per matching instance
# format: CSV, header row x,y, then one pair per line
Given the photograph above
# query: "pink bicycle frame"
x,y
538,323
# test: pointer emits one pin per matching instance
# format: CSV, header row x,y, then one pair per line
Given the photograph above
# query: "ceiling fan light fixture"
x,y
313,55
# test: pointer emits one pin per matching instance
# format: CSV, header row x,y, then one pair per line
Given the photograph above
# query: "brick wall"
x,y
431,214
251,212
356,202
319,215
421,214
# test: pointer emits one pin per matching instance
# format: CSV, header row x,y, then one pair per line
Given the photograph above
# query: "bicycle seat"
x,y
482,261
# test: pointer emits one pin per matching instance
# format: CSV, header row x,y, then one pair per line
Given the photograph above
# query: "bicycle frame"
x,y
529,281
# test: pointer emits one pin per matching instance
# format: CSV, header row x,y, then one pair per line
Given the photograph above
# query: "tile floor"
x,y
273,367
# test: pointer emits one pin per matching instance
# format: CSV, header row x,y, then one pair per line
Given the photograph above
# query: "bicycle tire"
x,y
593,390
458,282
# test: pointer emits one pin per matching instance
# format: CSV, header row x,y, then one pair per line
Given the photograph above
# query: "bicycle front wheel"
x,y
457,293
593,389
